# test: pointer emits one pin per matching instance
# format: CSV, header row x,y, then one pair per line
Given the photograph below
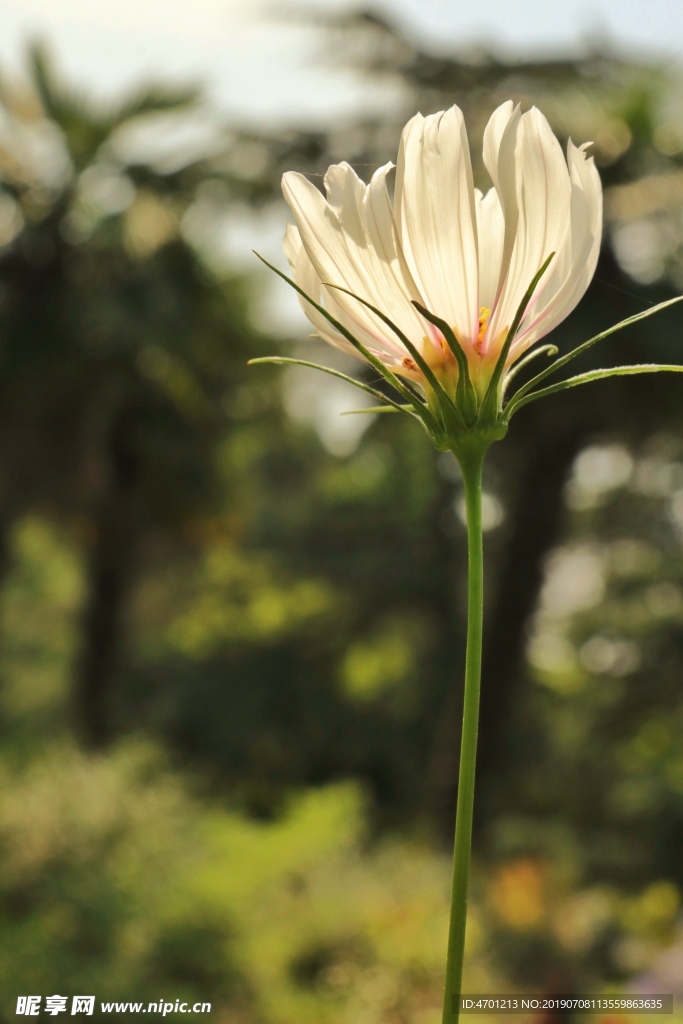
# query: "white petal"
x,y
436,219
575,263
345,194
320,230
500,143
291,244
308,280
378,218
350,242
305,276
491,232
327,245
543,195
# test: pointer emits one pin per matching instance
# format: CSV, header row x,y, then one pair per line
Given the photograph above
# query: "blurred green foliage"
x,y
117,880
231,630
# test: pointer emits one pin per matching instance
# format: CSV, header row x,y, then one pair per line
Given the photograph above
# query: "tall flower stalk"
x,y
446,292
472,468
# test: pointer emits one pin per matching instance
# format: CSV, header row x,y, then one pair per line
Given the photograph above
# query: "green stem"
x,y
471,464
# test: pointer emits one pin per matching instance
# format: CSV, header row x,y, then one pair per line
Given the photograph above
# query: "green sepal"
x,y
490,410
446,404
375,409
287,361
591,375
515,401
551,350
466,396
420,408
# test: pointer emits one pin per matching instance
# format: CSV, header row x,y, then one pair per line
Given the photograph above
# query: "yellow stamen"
x,y
484,315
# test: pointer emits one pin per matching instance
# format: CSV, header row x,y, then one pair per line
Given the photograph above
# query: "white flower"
x,y
464,256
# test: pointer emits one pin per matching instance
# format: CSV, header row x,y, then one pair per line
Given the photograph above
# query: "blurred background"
x,y
232,619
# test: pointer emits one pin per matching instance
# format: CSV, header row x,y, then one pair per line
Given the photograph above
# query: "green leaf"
x,y
559,363
421,409
489,406
445,401
466,395
586,378
287,361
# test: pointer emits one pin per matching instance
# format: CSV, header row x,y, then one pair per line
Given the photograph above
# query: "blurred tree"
x,y
119,352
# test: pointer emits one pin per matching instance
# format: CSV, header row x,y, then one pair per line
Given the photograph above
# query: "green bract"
x,y
461,422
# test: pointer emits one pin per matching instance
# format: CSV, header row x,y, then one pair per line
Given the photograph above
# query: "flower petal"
x,y
491,232
500,143
543,196
350,241
291,244
305,276
575,263
436,219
